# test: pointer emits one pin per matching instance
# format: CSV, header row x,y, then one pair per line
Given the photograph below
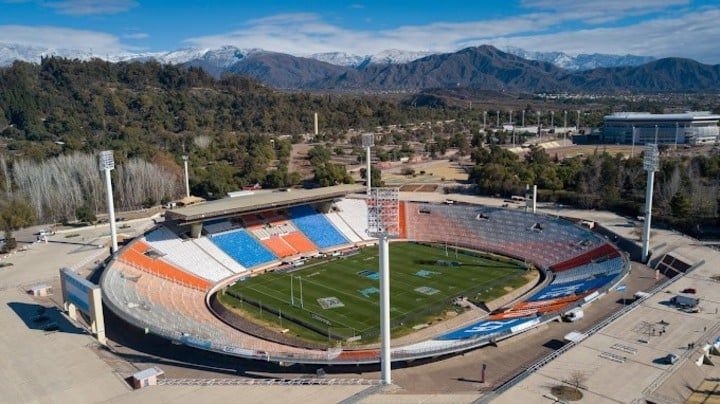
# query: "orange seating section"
x,y
360,354
278,246
604,251
299,242
549,302
134,254
402,221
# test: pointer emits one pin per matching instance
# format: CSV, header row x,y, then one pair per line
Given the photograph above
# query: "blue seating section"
x,y
243,248
316,227
554,291
486,328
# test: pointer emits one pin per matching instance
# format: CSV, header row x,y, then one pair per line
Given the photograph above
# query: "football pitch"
x,y
339,298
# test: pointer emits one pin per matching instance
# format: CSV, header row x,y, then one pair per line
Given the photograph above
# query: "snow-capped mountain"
x,y
11,52
582,61
386,57
220,59
340,58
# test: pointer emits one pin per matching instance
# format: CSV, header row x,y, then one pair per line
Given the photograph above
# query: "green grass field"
x,y
421,290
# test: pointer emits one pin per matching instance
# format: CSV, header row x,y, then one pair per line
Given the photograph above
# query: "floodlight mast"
x,y
368,141
383,223
106,162
187,177
650,164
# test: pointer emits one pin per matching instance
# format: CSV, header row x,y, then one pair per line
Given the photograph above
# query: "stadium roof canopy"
x,y
259,201
646,116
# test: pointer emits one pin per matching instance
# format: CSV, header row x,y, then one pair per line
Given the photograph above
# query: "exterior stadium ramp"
x,y
158,293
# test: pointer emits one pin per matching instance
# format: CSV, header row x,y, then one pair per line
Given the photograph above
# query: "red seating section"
x,y
605,250
134,255
402,221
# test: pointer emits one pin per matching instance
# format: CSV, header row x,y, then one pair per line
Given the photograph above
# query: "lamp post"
x,y
106,162
368,141
187,176
383,223
650,164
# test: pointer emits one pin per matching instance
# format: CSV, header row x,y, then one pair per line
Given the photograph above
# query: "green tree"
x,y
680,205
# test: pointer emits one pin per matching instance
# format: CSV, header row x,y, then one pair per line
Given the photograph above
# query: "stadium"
x,y
291,277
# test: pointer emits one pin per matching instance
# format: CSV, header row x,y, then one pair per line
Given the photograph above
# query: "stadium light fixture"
x,y
650,164
106,162
384,223
368,141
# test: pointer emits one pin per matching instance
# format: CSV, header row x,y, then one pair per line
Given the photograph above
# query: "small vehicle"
x,y
691,291
671,358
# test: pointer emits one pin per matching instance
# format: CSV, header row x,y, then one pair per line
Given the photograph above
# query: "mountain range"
x,y
477,68
228,55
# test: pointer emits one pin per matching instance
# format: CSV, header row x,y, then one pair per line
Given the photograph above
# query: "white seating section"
x,y
344,228
354,213
212,250
268,231
186,255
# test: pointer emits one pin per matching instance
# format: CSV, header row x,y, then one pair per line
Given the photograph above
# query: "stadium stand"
x,y
186,254
212,250
243,248
606,267
136,283
135,255
278,246
343,227
316,227
354,213
401,220
299,242
604,251
541,240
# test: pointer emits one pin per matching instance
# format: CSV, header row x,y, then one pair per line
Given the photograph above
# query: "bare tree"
x,y
57,187
577,379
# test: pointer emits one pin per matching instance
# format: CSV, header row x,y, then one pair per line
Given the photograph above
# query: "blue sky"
x,y
649,27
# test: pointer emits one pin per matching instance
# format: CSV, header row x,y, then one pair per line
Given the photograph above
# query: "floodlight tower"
x,y
650,164
484,120
497,124
522,121
552,119
368,141
577,126
383,223
315,119
187,176
106,161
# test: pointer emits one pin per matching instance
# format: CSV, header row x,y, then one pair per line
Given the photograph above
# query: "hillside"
x,y
481,68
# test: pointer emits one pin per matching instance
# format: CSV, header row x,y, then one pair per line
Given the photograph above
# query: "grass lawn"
x,y
341,297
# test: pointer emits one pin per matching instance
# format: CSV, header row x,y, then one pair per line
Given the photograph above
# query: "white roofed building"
x,y
692,127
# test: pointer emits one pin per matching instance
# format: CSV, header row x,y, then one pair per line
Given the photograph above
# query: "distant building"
x,y
691,128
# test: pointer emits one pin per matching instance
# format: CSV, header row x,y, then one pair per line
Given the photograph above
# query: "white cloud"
x,y
677,33
690,35
306,33
61,38
88,7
